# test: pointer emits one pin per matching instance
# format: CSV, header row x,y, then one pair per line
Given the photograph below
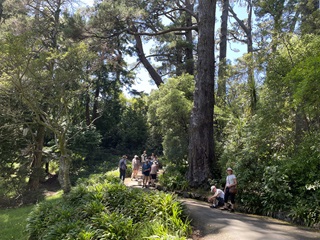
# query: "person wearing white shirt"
x,y
218,198
231,181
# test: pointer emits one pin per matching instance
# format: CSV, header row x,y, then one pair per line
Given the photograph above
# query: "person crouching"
x,y
218,197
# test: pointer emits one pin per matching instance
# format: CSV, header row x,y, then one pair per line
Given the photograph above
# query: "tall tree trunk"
x,y
64,164
36,166
251,80
201,145
88,119
247,28
221,92
96,101
189,39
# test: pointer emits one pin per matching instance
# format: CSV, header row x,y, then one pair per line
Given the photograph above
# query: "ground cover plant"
x,y
102,208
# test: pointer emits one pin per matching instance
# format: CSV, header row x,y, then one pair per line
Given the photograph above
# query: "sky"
x,y
143,81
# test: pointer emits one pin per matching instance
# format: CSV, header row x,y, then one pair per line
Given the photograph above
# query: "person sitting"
x,y
218,198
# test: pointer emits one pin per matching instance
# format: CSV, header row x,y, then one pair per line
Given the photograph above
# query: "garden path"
x,y
211,224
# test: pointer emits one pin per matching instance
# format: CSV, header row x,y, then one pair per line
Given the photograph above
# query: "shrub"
x,y
174,178
102,208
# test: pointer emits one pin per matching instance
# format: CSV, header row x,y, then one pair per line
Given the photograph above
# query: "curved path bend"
x,y
214,224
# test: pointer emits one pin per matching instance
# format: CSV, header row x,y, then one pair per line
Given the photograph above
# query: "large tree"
x,y
201,145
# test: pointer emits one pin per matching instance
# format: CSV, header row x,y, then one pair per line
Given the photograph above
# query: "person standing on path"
x,y
231,182
146,167
135,167
218,198
153,173
144,156
123,167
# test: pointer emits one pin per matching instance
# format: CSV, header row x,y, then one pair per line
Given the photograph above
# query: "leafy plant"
x,y
102,208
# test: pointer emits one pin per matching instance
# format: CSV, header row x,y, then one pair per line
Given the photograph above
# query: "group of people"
x,y
149,167
221,198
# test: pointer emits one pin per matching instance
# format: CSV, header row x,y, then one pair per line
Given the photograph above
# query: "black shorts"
x,y
153,176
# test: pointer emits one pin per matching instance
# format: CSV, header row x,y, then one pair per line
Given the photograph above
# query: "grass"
x,y
13,221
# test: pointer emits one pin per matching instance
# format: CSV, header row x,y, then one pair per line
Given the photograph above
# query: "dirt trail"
x,y
211,224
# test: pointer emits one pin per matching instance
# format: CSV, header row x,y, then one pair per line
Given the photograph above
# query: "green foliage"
x,y
123,124
174,177
275,165
276,191
85,140
101,208
169,113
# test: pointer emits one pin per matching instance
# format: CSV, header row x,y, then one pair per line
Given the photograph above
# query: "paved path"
x,y
211,224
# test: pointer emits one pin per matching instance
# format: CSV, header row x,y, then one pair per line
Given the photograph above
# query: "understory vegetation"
x,y
102,208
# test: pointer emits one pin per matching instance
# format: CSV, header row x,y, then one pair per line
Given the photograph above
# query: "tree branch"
x,y
177,29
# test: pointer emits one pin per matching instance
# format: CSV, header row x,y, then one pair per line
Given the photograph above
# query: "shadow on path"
x,y
213,224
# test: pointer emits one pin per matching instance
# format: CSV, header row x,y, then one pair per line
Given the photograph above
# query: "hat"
x,y
229,169
135,156
213,187
124,156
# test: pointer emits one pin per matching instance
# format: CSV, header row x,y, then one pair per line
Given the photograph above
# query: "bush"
x,y
174,177
102,208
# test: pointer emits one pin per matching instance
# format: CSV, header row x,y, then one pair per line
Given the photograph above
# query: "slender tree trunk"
x,y
221,92
64,164
95,101
36,166
247,28
251,80
189,39
88,119
201,145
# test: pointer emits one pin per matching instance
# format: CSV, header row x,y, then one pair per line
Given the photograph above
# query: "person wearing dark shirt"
x,y
146,167
123,167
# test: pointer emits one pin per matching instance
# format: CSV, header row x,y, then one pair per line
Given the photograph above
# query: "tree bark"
x,y
221,92
36,166
64,165
201,145
88,119
189,39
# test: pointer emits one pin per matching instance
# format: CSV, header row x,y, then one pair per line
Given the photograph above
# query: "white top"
x,y
230,180
154,169
219,193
